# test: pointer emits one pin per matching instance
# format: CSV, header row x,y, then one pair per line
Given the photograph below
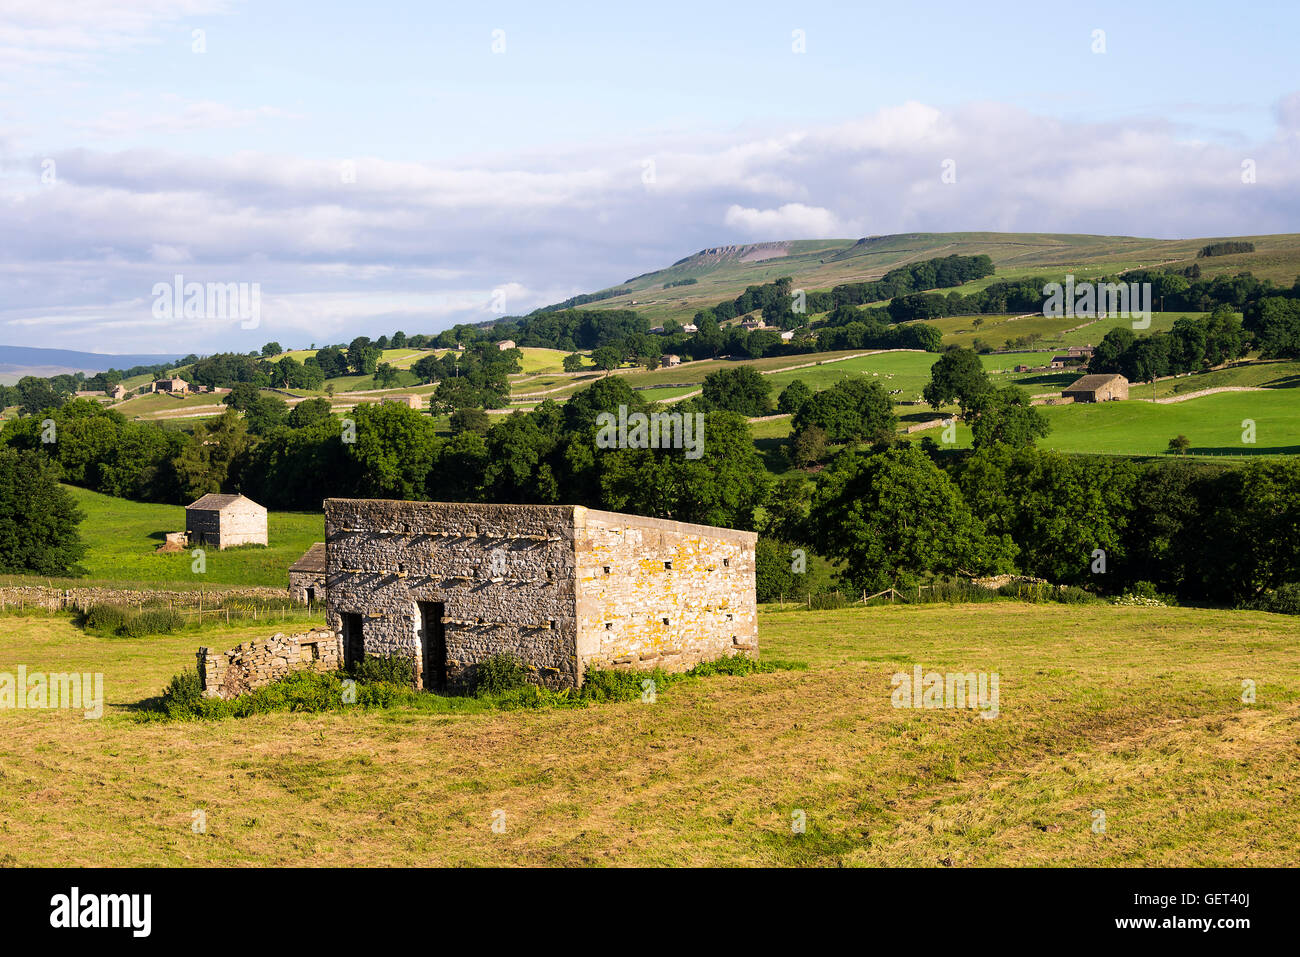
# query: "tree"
x,y
893,516
808,446
850,410
386,375
394,450
741,390
607,358
265,414
958,376
572,362
242,396
205,463
38,518
470,420
37,395
1179,445
793,397
272,349
309,412
427,368
1005,415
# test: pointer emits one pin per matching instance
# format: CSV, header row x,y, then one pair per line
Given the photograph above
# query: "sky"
x,y
382,166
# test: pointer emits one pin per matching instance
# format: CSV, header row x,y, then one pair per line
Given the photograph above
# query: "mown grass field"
x,y
1134,712
122,537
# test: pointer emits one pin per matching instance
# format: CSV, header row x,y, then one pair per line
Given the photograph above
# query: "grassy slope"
x,y
123,536
1133,711
821,264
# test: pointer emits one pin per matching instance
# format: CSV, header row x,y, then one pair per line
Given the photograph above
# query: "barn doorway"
x,y
433,645
354,647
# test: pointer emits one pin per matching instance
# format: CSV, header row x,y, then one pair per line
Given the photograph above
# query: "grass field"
x,y
1213,423
1134,712
123,535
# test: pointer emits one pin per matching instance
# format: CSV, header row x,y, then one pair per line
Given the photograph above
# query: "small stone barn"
x,y
561,587
307,576
221,521
1097,388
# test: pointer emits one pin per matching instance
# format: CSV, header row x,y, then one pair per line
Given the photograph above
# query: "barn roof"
x,y
313,560
1091,383
217,501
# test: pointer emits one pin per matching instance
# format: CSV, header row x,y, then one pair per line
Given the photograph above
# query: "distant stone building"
x,y
307,576
1106,387
562,588
410,401
117,393
690,327
221,521
672,360
174,384
505,344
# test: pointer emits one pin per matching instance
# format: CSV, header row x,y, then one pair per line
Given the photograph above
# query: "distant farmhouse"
x,y
1098,388
561,588
173,384
307,576
505,344
222,521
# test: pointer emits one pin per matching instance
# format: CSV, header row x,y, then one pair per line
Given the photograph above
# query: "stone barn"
x,y
561,587
1097,388
307,576
221,521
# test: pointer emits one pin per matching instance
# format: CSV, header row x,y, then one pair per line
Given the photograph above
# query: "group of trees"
x,y
1193,344
939,273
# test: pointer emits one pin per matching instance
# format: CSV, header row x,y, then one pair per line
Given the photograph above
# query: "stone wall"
x,y
661,594
299,582
228,674
67,599
504,574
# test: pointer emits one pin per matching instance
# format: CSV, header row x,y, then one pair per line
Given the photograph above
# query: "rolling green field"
x,y
1213,423
1135,712
123,535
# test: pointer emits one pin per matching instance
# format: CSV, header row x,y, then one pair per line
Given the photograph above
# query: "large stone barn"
x,y
222,521
560,587
1097,388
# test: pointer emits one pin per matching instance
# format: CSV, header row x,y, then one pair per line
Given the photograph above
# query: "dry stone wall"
x,y
504,575
67,599
229,674
661,594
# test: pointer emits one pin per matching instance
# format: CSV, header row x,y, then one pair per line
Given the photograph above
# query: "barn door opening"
x,y
354,648
433,645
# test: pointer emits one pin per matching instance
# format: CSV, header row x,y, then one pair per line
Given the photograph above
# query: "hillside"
x,y
724,272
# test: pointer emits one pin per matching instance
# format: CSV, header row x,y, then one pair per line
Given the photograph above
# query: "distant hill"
x,y
723,272
19,361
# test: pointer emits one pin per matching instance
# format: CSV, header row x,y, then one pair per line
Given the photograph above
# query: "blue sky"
x,y
523,172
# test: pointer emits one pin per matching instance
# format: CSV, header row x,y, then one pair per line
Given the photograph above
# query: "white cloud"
x,y
791,221
422,246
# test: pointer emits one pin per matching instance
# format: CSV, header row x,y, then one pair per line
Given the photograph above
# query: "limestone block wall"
x,y
243,523
228,674
504,573
62,599
654,593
